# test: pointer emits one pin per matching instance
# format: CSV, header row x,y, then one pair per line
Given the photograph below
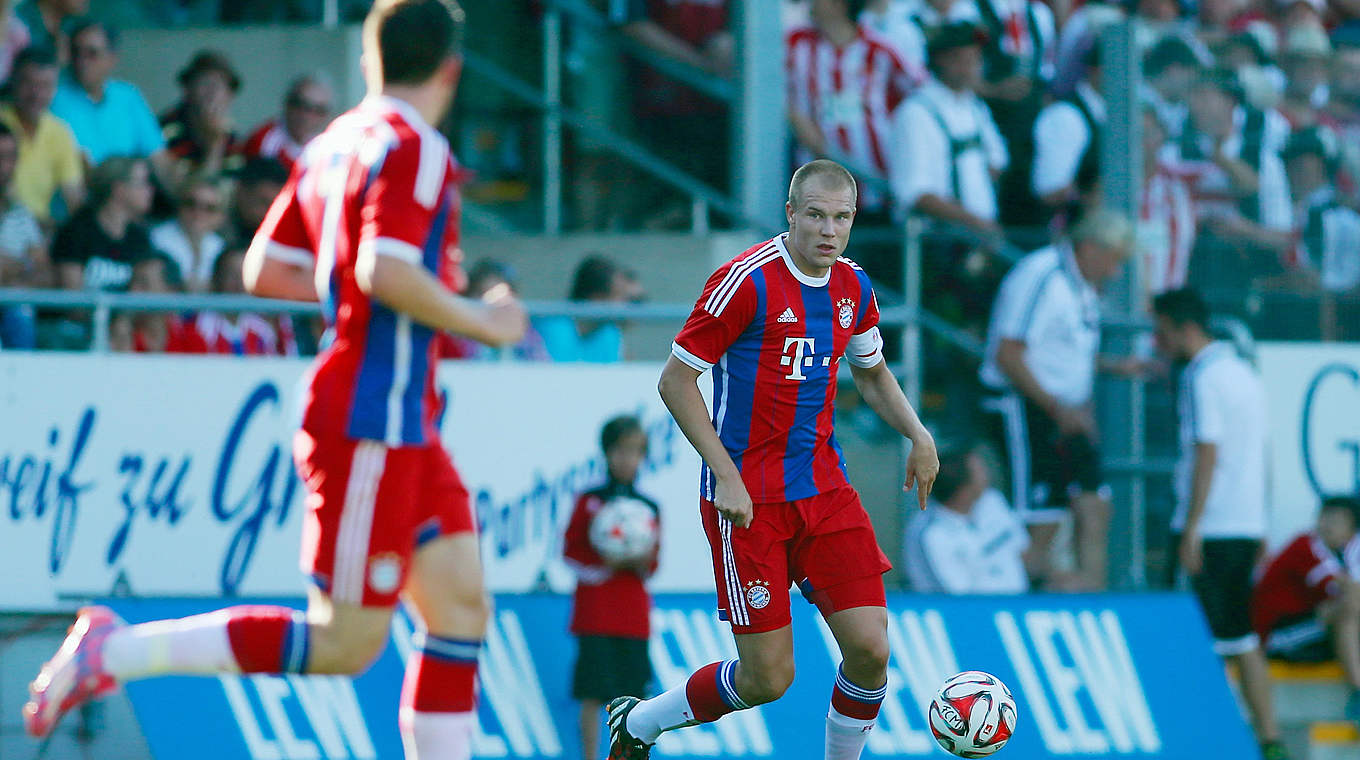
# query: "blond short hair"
x,y
837,175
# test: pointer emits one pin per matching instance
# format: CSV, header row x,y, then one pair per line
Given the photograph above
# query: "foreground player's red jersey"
x,y
774,338
379,181
1303,575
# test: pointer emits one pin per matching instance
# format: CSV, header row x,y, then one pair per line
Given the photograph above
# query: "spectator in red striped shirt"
x,y
243,333
306,109
1306,607
844,84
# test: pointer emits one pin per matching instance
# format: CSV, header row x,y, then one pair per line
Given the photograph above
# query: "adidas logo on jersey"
x,y
788,316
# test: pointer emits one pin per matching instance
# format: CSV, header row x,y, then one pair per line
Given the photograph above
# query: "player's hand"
x,y
923,464
733,502
1192,553
506,320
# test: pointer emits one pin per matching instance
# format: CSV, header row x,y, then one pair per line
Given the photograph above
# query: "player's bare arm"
x,y
879,388
679,387
405,287
270,277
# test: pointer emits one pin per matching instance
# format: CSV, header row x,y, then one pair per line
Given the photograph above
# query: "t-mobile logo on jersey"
x,y
804,355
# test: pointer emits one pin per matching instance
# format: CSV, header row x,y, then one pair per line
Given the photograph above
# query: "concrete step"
x,y
1308,694
1333,740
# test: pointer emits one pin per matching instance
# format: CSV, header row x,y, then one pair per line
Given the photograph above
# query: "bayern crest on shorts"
x,y
758,594
845,312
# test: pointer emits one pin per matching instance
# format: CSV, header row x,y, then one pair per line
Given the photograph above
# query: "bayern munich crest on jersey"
x,y
758,594
384,573
845,312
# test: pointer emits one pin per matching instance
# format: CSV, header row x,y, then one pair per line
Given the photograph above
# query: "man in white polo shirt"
x,y
970,541
1040,364
1220,486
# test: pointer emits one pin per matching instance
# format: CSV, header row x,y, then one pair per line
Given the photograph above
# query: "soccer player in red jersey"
x,y
1306,606
772,326
368,225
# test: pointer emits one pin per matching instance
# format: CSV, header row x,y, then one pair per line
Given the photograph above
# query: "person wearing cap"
x,y
198,131
1232,152
903,24
948,151
1169,71
1305,63
50,175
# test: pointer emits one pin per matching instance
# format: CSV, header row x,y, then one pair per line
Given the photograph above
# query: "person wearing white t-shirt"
x,y
970,542
1220,485
1041,357
948,150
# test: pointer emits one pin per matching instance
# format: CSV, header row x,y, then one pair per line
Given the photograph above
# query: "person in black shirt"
x,y
96,248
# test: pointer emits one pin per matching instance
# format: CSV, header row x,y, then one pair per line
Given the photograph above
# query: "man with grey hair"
x,y
1040,364
306,109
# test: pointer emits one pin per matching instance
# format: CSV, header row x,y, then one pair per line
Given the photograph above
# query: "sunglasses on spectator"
x,y
87,51
320,109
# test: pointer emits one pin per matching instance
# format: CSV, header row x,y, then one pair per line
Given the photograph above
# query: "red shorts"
x,y
369,507
824,543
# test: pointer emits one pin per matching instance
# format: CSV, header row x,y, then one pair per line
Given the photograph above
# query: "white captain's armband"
x,y
866,349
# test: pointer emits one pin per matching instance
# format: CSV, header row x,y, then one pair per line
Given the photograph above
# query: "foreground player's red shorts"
x,y
824,543
369,507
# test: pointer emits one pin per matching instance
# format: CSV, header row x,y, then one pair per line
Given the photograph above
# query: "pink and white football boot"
x,y
75,674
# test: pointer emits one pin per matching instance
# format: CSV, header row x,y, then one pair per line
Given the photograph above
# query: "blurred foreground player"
x,y
368,224
773,325
611,611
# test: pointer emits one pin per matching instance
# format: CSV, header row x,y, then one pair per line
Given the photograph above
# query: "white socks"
x,y
195,645
664,712
436,736
845,736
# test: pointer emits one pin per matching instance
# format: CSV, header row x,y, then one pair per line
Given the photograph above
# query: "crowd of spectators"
x,y
97,192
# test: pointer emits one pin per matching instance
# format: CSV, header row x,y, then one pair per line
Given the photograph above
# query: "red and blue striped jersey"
x,y
380,181
774,337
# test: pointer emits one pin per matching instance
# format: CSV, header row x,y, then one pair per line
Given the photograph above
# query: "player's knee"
x,y
346,647
767,683
867,659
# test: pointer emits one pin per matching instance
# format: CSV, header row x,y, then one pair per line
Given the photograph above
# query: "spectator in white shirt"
x,y
948,150
1067,144
1220,486
1041,357
969,541
191,239
1169,71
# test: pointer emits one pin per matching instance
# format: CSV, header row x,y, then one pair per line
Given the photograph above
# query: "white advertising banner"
x,y
173,476
1314,392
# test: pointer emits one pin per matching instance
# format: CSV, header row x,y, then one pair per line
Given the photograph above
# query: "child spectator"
x,y
191,239
152,332
1306,606
486,277
611,612
241,333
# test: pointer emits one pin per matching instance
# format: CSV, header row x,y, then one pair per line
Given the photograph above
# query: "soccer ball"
x,y
973,715
624,530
